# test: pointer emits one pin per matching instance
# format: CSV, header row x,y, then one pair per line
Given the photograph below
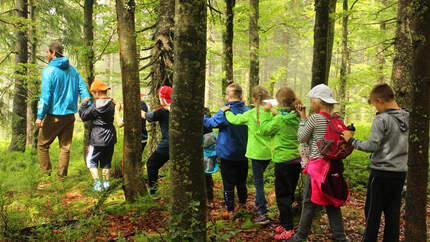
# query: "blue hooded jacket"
x,y
61,85
232,139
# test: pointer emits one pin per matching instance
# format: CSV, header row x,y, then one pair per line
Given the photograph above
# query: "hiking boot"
x,y
280,230
106,184
284,235
97,186
262,220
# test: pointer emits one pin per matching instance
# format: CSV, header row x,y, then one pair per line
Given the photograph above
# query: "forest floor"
x,y
150,224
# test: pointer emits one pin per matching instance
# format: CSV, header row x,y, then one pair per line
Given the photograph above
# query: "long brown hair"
x,y
259,93
287,98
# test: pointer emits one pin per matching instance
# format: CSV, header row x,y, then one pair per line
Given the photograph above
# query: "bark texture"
x,y
188,210
254,45
416,196
228,44
19,116
134,185
330,42
344,62
162,59
321,40
88,58
403,55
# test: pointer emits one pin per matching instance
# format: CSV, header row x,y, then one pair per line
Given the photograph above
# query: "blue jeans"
x,y
258,168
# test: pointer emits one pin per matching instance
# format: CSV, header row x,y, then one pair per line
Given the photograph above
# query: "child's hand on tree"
x,y
225,108
347,135
86,100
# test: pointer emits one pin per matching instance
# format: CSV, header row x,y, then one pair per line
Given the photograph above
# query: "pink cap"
x,y
165,92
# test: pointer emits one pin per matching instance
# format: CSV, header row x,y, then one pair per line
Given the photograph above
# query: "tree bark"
x,y
228,44
345,58
162,57
188,209
403,55
254,45
134,185
19,116
416,196
321,40
88,57
35,83
330,42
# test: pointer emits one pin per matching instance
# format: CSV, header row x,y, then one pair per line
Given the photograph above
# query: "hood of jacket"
x,y
60,62
401,116
103,105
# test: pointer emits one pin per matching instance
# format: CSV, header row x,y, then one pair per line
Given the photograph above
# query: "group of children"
x,y
264,134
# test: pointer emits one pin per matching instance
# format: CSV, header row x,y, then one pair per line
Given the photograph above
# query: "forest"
x,y
167,71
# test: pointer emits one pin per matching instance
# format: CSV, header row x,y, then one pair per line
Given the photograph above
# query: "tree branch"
x,y
391,20
145,58
388,41
387,7
79,3
353,4
8,11
105,47
147,48
150,63
212,8
146,28
7,56
6,22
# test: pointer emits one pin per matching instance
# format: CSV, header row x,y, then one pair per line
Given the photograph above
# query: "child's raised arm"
x,y
118,119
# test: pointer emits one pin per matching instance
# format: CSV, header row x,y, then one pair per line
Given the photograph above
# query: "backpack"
x,y
334,184
333,146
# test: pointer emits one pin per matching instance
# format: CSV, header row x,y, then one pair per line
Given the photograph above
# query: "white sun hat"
x,y
322,92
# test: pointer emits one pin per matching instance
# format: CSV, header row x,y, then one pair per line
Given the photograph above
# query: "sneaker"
x,y
106,184
97,186
284,235
280,230
262,220
229,215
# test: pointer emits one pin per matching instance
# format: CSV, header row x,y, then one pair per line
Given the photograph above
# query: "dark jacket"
x,y
144,131
388,141
232,139
162,116
102,114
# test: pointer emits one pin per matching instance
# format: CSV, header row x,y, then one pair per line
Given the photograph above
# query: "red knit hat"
x,y
165,92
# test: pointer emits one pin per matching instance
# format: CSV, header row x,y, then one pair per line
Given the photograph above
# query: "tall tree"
x,y
88,57
188,211
418,162
34,87
321,40
228,44
381,50
134,185
19,117
254,45
345,59
162,59
330,42
403,55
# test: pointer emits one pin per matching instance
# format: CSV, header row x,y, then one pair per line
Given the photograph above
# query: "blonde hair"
x,y
234,90
259,93
329,106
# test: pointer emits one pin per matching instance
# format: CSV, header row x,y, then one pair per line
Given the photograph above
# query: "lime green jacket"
x,y
283,127
259,147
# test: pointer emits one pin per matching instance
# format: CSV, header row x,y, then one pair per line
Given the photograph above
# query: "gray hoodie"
x,y
388,141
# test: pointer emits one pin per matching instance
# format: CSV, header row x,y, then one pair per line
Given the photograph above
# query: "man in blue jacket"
x,y
231,148
61,85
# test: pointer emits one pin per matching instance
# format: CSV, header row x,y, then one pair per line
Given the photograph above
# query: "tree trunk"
x,y
134,185
330,42
228,44
88,58
416,196
35,75
254,45
321,40
188,210
19,116
345,58
162,57
403,55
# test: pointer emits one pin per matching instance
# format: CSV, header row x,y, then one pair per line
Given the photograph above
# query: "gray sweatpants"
x,y
308,212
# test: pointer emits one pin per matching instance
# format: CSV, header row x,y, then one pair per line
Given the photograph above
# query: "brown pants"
x,y
54,126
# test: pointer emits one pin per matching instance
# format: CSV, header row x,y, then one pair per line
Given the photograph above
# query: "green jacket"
x,y
259,147
283,127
